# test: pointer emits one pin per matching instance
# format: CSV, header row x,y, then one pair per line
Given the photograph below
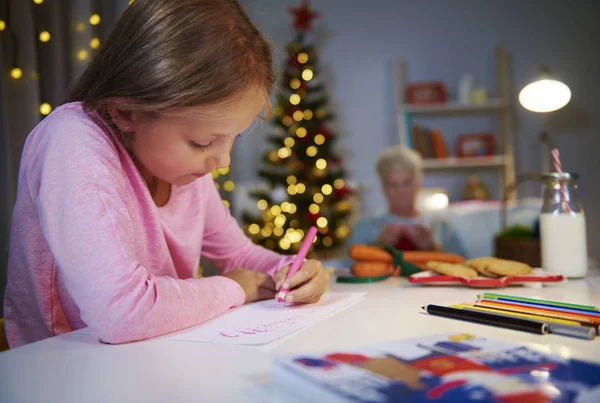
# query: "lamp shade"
x,y
546,94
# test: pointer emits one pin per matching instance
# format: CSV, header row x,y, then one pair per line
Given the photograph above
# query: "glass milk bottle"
x,y
562,227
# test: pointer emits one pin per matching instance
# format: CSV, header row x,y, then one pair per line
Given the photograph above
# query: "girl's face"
x,y
185,144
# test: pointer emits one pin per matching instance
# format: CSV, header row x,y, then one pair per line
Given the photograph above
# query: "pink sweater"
x,y
90,248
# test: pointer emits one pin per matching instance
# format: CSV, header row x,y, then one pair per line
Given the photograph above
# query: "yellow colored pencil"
x,y
519,315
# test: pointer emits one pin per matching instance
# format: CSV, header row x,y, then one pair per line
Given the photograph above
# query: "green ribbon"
x,y
406,269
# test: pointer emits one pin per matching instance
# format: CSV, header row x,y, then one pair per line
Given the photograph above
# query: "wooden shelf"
x,y
465,163
453,107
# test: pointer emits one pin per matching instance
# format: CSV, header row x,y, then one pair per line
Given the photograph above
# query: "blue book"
x,y
451,367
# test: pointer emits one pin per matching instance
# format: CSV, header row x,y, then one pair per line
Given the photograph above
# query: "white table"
x,y
75,368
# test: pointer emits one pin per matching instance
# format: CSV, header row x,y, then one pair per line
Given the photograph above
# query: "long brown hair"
x,y
176,53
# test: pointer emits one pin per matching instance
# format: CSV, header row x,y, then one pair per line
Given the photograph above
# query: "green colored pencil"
x,y
488,295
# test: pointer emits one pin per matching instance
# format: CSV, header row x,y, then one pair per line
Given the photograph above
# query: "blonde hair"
x,y
166,54
399,159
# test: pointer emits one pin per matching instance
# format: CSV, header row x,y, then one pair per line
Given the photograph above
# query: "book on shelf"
x,y
429,143
450,367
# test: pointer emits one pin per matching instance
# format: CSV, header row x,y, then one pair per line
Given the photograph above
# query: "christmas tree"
x,y
304,174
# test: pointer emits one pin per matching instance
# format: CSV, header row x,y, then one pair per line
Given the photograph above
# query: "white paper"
x,y
265,321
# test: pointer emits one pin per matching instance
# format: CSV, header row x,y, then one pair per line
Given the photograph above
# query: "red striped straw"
x,y
558,168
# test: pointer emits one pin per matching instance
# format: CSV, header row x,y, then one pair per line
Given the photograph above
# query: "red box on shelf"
x,y
475,145
426,93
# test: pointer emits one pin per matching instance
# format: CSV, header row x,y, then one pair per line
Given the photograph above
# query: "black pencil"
x,y
484,318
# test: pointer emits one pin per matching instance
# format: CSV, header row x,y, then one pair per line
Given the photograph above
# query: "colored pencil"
x,y
578,331
488,319
587,314
297,263
541,312
489,295
518,315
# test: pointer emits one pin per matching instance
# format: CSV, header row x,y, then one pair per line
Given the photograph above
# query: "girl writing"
x,y
115,199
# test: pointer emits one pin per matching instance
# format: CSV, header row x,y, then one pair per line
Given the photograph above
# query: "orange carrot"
x,y
368,253
371,269
419,257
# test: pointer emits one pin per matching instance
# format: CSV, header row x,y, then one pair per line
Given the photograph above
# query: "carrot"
x,y
420,258
368,253
371,269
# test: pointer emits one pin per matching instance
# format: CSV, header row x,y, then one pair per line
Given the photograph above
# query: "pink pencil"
x,y
306,244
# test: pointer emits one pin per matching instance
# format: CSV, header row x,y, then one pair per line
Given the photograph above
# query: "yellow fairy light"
x,y
293,209
321,163
284,244
262,204
291,180
38,1
314,208
319,139
326,189
311,151
319,113
45,108
215,174
95,43
289,142
301,132
307,74
16,73
338,183
82,55
302,58
284,152
273,157
285,207
308,114
287,120
131,2
279,221
278,231
266,232
275,210
291,190
226,203
343,206
95,19
294,83
294,99
2,25
217,186
253,229
342,231
318,198
223,171
80,27
228,186
44,36
298,116
300,188
327,241
321,222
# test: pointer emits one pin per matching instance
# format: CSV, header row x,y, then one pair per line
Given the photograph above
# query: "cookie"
x,y
452,269
494,267
480,264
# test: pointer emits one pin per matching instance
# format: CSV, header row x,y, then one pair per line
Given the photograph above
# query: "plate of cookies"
x,y
484,272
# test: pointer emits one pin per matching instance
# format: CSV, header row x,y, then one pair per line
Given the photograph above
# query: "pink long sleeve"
x,y
90,248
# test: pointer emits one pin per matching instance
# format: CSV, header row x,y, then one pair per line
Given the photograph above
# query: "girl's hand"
x,y
307,285
256,286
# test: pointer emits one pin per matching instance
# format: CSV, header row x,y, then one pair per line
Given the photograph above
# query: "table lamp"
x,y
543,95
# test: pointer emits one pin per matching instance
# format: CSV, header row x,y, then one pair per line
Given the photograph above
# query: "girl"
x,y
115,200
